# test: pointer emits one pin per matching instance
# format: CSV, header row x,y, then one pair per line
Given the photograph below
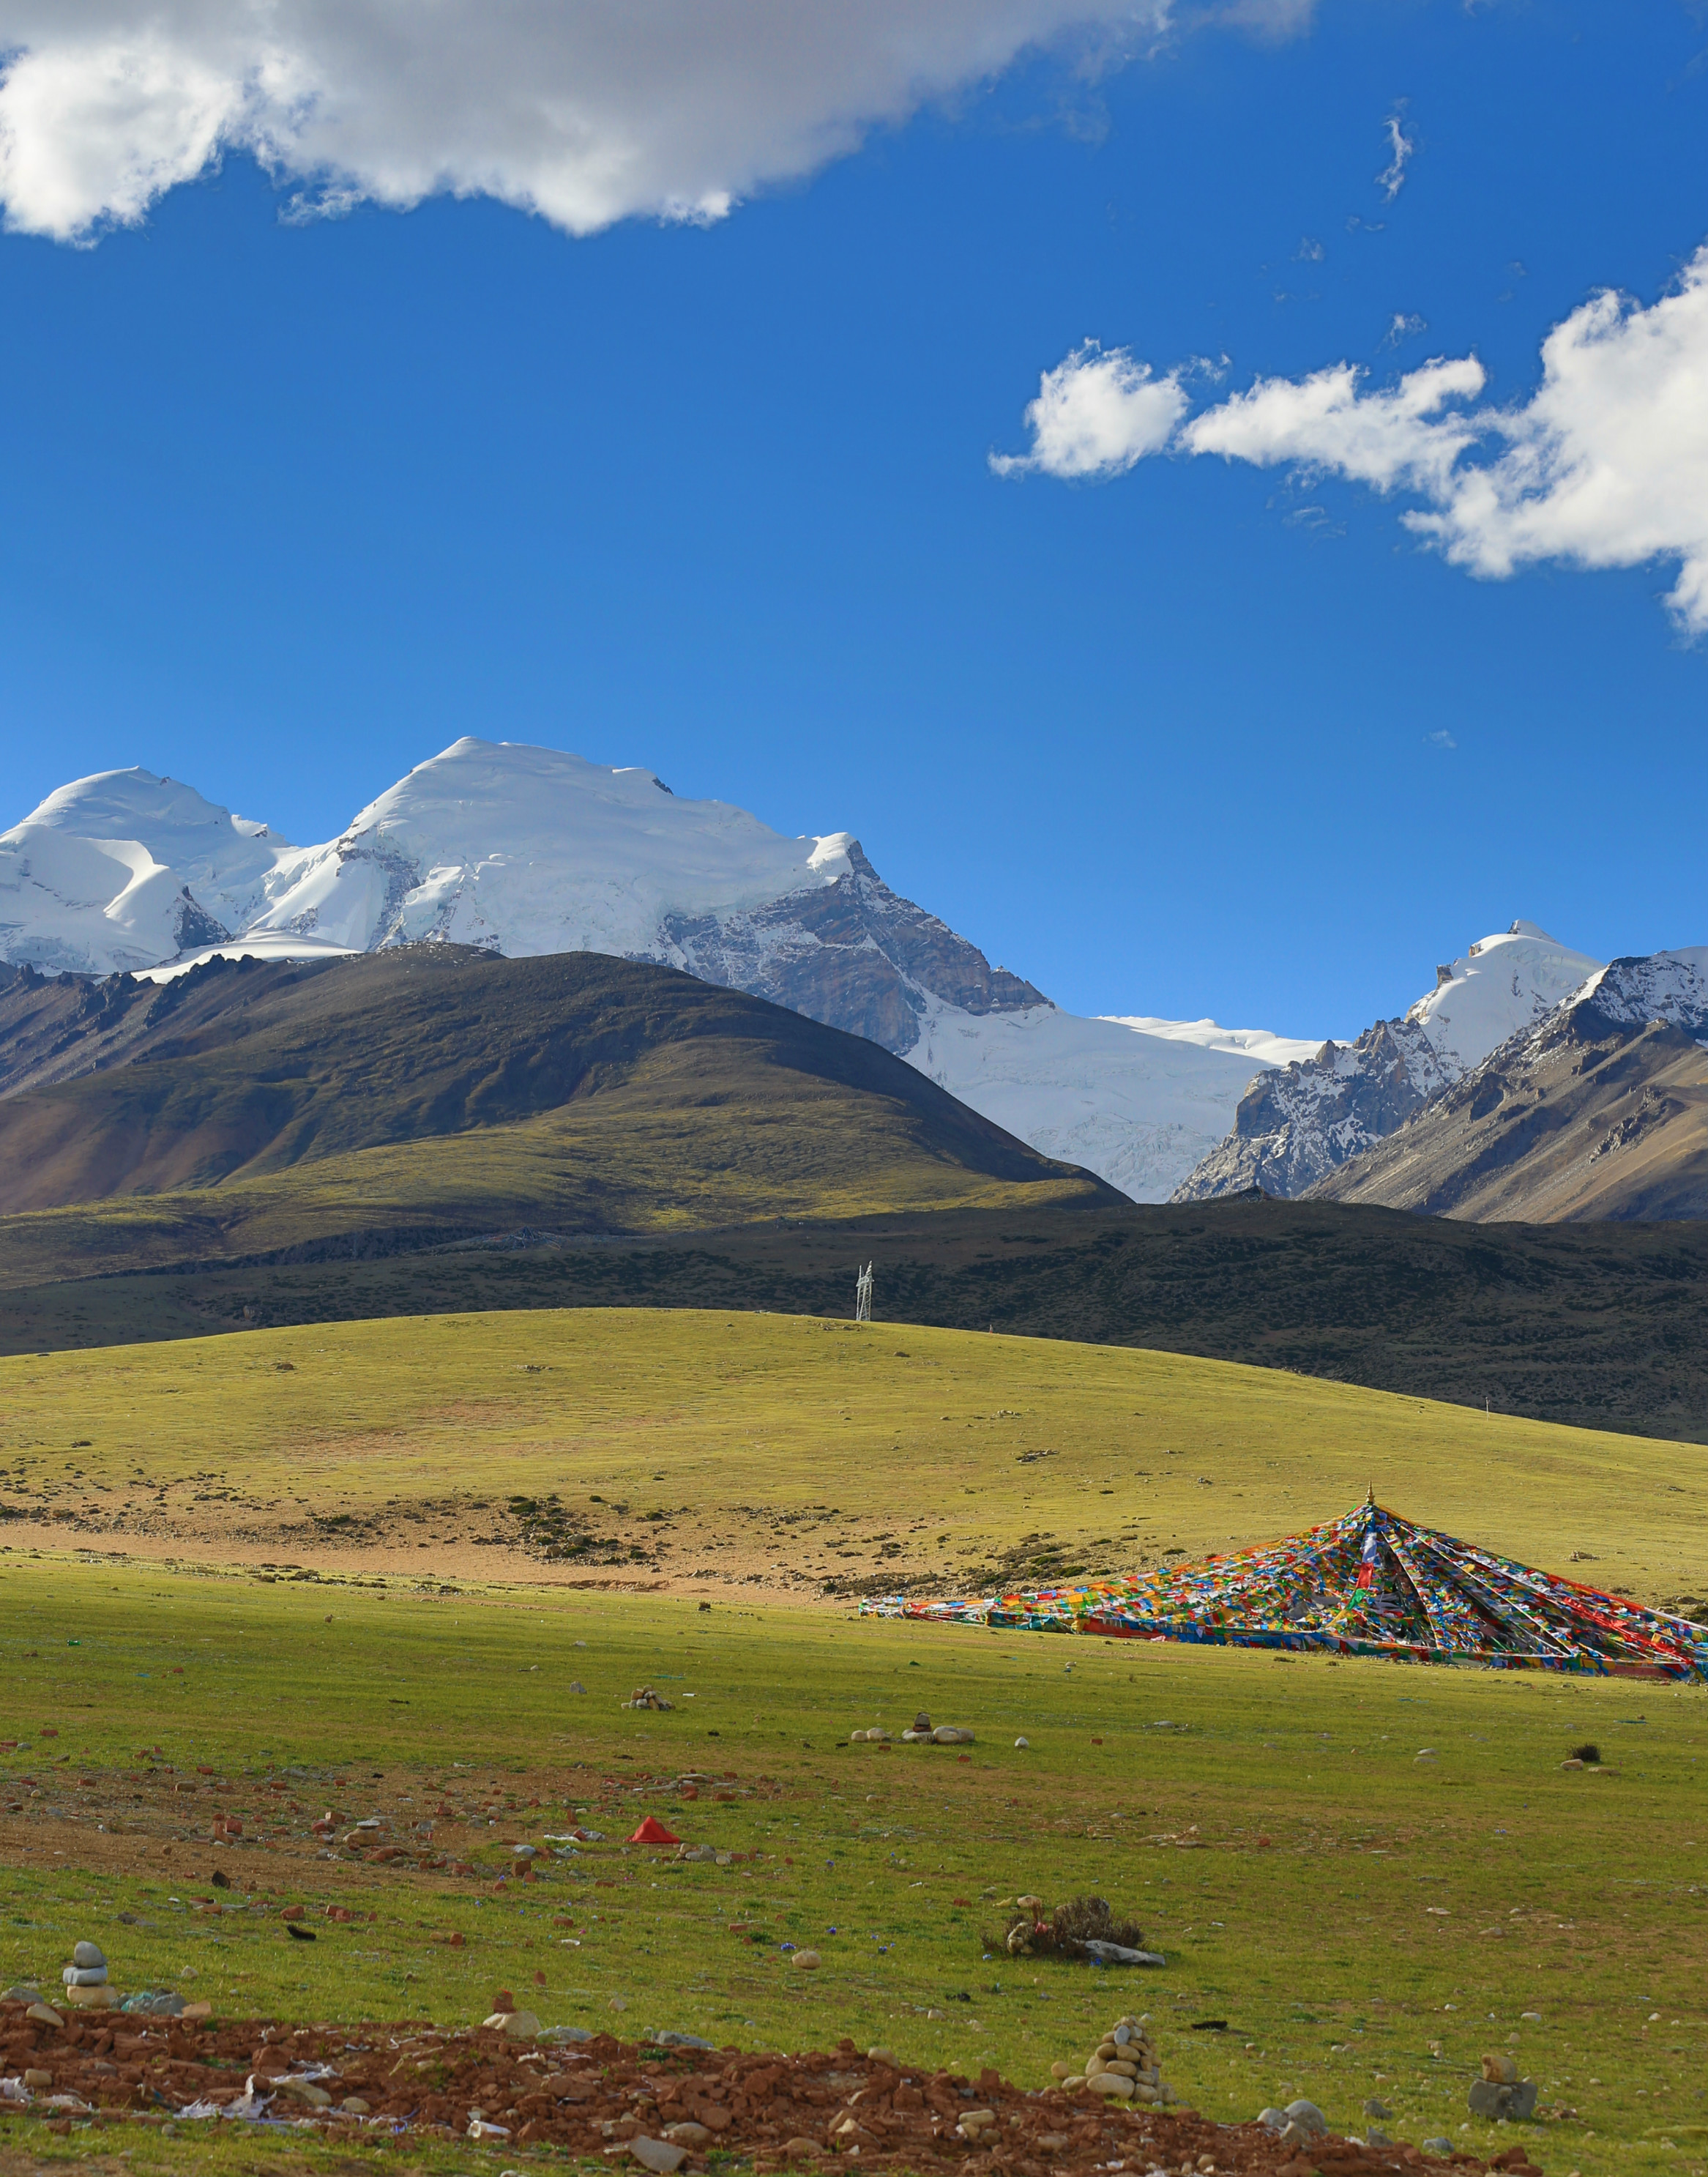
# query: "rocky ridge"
x,y
1296,1125
1599,1110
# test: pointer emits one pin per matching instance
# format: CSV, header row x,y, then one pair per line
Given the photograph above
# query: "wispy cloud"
x,y
1605,464
1404,326
1440,738
1392,178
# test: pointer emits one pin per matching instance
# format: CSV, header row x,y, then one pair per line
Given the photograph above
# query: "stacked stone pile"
x,y
1124,2067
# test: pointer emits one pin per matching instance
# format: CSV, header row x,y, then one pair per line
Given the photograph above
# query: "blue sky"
x,y
285,507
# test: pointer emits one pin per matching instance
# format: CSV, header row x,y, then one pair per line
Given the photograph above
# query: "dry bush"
x,y
1064,1933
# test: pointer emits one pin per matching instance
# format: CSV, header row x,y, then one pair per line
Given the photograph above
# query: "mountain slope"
x,y
415,1095
1601,1111
1297,1124
526,851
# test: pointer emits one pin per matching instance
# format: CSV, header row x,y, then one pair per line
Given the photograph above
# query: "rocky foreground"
x,y
666,2108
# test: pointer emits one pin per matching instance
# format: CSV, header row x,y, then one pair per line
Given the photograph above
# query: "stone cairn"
x,y
1124,2067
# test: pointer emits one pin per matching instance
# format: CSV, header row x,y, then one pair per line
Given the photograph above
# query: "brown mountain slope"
x,y
1587,1117
252,1107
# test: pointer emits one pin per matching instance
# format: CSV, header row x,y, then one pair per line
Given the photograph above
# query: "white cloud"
x,y
1096,415
584,110
1440,738
1401,147
1606,465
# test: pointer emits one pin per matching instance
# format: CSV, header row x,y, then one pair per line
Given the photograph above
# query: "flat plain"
x,y
1369,1873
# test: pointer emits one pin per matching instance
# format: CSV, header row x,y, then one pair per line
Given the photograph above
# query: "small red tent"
x,y
653,1831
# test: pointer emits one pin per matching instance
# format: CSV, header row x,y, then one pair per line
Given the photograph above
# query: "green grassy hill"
x,y
807,1456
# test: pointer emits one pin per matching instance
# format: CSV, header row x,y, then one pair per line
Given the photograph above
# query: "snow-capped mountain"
x,y
1599,1109
123,870
527,850
1295,1125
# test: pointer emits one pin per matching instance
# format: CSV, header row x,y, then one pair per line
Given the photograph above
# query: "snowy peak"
x,y
1296,1125
1502,984
123,869
1664,986
526,850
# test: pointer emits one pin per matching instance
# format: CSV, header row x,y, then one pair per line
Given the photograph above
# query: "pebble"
x,y
353,2105
88,1954
576,1687
687,2134
808,1961
1023,1742
1379,2110
883,2056
44,2014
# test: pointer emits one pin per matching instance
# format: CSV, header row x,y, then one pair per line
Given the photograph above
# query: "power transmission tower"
x,y
863,1295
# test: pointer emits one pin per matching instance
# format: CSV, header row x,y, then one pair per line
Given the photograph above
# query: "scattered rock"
x,y
576,1687
882,2056
1437,2145
353,2105
1492,2099
1307,2119
301,2090
1379,2110
658,2154
519,2025
1023,1742
950,1734
808,1961
86,1955
1499,2069
689,2135
644,1697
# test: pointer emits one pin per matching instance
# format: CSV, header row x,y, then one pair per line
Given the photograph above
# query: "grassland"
x,y
1365,1921
702,1450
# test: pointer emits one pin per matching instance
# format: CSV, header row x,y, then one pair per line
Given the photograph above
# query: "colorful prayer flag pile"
x,y
1367,1584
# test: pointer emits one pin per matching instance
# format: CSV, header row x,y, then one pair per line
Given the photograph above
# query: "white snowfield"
x,y
1503,983
1139,1102
527,850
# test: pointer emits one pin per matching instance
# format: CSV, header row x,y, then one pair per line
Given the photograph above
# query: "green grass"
x,y
804,1450
1304,1918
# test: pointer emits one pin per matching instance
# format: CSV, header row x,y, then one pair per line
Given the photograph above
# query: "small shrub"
x,y
1589,1755
1065,1932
